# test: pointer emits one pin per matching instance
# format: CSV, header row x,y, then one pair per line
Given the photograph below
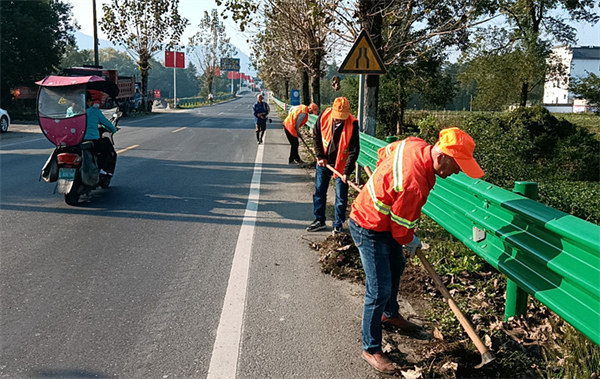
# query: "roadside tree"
x,y
208,46
144,28
587,88
301,29
532,27
403,32
35,35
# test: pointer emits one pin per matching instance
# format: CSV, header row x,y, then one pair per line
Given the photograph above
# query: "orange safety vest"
x,y
290,121
327,137
394,195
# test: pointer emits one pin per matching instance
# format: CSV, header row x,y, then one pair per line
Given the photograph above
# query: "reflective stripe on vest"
x,y
403,222
379,205
398,163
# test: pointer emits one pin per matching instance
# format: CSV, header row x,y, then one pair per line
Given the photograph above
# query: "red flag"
x,y
169,59
180,60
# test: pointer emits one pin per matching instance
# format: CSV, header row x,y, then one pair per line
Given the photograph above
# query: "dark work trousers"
x,y
260,131
294,156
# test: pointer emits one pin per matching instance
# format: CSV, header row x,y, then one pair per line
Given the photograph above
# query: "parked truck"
x,y
129,90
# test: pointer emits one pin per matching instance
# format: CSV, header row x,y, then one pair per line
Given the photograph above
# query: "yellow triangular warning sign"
x,y
363,58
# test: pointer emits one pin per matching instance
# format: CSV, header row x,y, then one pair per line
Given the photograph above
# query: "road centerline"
x,y
127,148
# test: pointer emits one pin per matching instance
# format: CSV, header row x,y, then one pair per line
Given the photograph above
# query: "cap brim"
x,y
470,167
340,115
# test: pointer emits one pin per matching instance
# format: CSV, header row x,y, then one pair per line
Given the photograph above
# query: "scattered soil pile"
x,y
442,348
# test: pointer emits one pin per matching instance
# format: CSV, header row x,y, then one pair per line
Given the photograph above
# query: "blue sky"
x,y
194,9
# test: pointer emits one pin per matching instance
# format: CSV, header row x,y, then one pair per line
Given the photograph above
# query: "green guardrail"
x,y
312,119
545,253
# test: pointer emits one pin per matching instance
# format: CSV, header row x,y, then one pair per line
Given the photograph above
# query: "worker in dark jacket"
x,y
261,111
336,144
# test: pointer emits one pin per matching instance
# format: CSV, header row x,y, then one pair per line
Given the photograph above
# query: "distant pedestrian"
x,y
383,218
336,143
297,117
261,111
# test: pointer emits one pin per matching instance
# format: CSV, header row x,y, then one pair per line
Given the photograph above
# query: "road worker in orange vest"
x,y
336,143
383,219
297,117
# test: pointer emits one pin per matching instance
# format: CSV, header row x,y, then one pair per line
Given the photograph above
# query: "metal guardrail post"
x,y
516,297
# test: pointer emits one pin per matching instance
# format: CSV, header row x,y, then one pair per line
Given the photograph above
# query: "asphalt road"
x,y
132,283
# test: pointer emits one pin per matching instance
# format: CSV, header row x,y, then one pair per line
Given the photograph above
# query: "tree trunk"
x,y
524,93
315,86
144,69
305,87
287,90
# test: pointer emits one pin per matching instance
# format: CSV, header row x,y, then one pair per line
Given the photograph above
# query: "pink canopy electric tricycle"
x,y
62,114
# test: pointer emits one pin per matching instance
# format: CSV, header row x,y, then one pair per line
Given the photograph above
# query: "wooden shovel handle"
x,y
340,175
459,315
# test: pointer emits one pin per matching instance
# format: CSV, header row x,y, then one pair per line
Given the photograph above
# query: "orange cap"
x,y
460,146
340,108
313,108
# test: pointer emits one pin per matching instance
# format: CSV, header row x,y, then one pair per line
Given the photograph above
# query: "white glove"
x,y
413,246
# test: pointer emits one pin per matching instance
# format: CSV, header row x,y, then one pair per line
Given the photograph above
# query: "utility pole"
x,y
96,60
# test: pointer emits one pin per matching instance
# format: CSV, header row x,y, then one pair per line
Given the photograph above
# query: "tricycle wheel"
x,y
72,197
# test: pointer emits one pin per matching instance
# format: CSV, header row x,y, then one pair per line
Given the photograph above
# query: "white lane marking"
x,y
224,361
220,113
128,148
178,130
144,119
20,142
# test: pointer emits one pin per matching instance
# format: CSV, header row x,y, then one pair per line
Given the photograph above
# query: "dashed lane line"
x,y
127,149
178,130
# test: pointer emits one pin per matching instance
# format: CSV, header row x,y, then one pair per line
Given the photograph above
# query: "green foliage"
x,y
580,199
587,88
35,34
500,78
573,355
423,80
589,121
530,144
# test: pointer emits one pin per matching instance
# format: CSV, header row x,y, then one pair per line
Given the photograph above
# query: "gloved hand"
x,y
410,249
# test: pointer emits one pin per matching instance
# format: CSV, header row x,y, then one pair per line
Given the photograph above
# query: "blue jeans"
x,y
322,179
383,261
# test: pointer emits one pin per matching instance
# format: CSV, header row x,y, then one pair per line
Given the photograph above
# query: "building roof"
x,y
587,52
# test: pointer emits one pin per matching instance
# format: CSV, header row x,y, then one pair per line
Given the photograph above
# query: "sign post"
x,y
230,64
175,60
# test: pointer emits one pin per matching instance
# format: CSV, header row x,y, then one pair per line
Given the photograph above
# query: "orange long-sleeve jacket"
x,y
392,199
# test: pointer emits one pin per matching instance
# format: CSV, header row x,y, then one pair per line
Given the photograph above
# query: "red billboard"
x,y
176,60
169,59
180,60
